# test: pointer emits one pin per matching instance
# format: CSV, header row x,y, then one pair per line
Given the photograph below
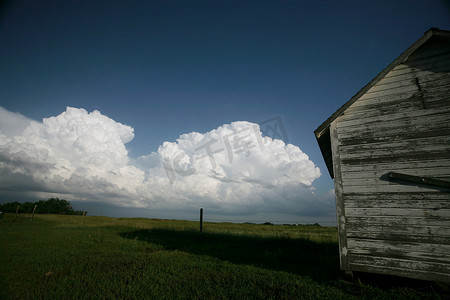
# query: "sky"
x,y
157,108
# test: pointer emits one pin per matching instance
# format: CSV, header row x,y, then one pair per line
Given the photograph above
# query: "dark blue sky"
x,y
172,67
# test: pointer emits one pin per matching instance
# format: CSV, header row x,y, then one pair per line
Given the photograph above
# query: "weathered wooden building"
x,y
388,150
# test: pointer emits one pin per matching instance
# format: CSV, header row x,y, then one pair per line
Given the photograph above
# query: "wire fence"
x,y
329,222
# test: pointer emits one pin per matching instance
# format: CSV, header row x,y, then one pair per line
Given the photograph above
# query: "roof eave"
x,y
399,60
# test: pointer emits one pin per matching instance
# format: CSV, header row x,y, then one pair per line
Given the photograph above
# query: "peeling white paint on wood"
x,y
412,166
394,188
390,263
410,212
435,233
399,123
373,119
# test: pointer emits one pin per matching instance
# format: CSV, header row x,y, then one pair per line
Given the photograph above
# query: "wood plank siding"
x,y
399,123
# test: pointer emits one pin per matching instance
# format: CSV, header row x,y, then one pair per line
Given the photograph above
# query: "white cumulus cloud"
x,y
75,152
231,169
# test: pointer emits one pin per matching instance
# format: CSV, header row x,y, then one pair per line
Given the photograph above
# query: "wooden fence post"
x,y
34,209
82,217
201,220
17,211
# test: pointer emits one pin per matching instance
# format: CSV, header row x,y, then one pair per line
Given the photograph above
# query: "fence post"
x,y
17,211
34,209
82,217
201,220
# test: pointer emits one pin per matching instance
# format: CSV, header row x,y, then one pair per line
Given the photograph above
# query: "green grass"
x,y
74,257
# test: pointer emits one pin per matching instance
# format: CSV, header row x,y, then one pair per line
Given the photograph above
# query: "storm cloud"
x,y
83,156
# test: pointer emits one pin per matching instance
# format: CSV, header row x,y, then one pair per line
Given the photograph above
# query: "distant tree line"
x,y
50,206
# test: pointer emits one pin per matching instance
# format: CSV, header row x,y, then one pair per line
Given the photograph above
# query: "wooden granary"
x,y
388,150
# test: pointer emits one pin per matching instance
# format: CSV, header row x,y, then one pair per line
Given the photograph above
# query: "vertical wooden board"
x,y
340,208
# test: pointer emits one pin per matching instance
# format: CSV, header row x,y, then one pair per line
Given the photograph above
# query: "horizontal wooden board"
x,y
425,167
440,129
391,270
383,148
433,144
397,157
397,196
392,103
383,94
421,119
396,212
433,80
436,100
392,84
413,233
435,125
402,72
405,264
372,119
384,181
424,54
436,62
400,249
393,154
396,90
394,106
398,74
436,103
415,227
435,87
442,171
363,203
418,238
426,78
380,100
411,255
394,188
397,221
394,135
382,184
428,52
436,93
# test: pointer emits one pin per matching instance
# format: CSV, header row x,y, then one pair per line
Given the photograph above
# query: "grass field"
x,y
75,257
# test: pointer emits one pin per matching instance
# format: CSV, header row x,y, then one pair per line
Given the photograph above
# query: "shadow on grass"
x,y
320,261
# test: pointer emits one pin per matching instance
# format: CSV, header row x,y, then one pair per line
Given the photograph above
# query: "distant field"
x,y
75,257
